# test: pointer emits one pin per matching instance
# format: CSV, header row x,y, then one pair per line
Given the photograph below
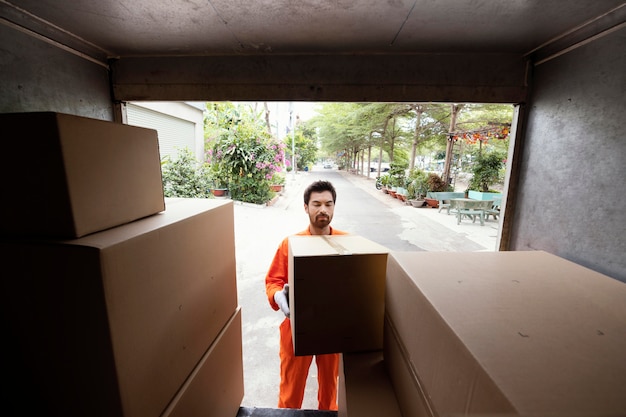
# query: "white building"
x,y
178,124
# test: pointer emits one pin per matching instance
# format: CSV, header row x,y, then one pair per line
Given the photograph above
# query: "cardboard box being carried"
x,y
514,333
336,294
68,176
215,387
113,323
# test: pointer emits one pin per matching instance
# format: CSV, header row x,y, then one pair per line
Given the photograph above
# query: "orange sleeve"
x,y
278,273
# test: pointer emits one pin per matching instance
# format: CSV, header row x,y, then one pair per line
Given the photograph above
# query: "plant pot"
x,y
418,202
219,192
432,202
276,187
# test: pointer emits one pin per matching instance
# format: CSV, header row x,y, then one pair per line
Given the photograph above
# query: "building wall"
x,y
572,190
179,125
37,76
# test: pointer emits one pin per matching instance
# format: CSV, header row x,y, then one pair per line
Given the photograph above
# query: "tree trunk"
x,y
267,119
455,108
369,160
392,141
418,111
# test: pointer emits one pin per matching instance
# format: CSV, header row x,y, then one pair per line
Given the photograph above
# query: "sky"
x,y
279,113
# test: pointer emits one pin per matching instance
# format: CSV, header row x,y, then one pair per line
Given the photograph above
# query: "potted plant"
x,y
219,185
385,181
435,184
417,187
397,174
277,182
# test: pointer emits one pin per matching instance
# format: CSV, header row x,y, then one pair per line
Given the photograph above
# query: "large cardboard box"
x,y
364,387
410,395
68,176
215,387
336,293
524,333
113,323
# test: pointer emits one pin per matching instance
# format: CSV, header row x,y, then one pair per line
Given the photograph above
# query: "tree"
x,y
305,148
428,126
486,171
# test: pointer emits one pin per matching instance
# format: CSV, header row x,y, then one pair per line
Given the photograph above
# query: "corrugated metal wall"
x,y
174,133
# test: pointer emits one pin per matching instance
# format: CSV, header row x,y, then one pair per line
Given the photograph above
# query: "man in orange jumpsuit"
x,y
319,204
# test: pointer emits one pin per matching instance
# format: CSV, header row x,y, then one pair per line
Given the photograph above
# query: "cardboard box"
x,y
215,387
336,294
364,387
510,332
68,176
410,395
113,323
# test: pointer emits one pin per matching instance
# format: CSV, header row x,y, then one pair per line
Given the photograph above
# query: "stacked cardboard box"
x,y
504,333
125,321
68,176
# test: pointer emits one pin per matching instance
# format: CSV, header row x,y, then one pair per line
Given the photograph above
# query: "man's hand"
x,y
282,299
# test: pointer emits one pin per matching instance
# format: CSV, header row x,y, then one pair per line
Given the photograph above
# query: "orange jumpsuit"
x,y
295,369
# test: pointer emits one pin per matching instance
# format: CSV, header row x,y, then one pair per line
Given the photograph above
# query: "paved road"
x,y
360,209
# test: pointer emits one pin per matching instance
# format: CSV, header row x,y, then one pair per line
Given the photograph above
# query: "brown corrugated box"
x,y
114,322
67,176
409,394
336,293
364,387
509,332
215,387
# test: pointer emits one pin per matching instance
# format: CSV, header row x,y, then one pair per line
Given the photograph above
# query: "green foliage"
x,y
417,183
397,174
250,189
184,177
242,154
486,171
306,150
436,183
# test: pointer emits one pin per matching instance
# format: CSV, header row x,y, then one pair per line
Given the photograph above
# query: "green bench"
x,y
471,208
495,209
444,197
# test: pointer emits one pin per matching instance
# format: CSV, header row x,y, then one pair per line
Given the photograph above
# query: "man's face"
x,y
320,208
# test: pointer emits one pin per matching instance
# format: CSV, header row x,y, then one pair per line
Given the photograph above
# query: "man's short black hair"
x,y
318,187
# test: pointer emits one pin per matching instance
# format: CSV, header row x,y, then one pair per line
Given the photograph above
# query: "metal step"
x,y
283,412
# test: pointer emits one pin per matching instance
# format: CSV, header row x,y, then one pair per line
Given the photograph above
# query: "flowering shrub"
x,y
183,177
245,157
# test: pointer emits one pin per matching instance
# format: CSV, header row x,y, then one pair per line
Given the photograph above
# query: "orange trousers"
x,y
295,369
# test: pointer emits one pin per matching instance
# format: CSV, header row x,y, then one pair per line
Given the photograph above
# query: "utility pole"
x,y
293,139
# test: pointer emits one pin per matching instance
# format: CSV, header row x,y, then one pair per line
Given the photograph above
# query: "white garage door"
x,y
174,133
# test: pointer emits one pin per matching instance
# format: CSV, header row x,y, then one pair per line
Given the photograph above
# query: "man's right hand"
x,y
282,299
